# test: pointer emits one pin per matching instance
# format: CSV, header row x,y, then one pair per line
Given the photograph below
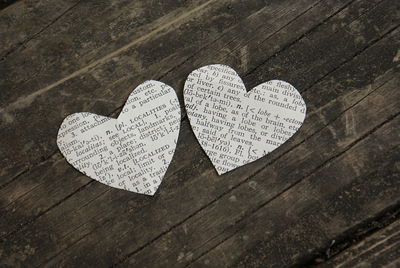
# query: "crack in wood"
x,y
74,243
24,42
300,37
30,221
354,236
373,42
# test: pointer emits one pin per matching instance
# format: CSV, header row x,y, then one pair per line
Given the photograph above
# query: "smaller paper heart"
x,y
131,152
236,127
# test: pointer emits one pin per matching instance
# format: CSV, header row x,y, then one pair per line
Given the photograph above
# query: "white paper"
x,y
131,152
236,127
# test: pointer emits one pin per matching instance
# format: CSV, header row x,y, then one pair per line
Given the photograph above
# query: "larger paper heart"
x,y
131,152
236,127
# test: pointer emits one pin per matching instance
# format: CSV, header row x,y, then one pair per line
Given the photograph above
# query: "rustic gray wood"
x,y
382,249
338,172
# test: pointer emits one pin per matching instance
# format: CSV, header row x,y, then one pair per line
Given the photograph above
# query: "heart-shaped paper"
x,y
236,127
131,152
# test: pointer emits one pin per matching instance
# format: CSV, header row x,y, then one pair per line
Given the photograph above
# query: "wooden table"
x,y
328,196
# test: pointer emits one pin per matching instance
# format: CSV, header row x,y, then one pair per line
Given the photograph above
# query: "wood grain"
x,y
339,171
380,249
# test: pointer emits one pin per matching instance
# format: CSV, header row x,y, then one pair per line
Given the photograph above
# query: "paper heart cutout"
x,y
236,127
131,152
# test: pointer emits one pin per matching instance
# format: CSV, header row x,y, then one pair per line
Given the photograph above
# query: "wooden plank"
x,y
86,220
381,249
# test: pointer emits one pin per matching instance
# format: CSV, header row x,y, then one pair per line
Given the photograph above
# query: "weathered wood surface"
x,y
340,171
382,249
